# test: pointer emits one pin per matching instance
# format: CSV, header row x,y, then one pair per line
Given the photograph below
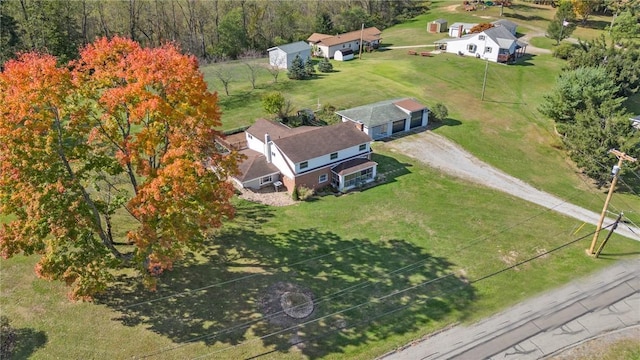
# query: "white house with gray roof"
x,y
497,44
388,117
282,56
338,155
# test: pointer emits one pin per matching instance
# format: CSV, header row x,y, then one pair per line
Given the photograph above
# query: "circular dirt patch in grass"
x,y
286,304
296,304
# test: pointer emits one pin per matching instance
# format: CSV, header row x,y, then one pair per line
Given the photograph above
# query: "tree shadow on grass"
x,y
361,291
596,24
524,17
27,342
446,122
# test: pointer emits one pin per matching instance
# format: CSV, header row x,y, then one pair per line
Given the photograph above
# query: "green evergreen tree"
x,y
625,27
590,115
297,69
578,90
323,24
325,65
620,63
309,68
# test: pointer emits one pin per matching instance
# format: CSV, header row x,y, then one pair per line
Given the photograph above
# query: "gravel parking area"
x,y
443,154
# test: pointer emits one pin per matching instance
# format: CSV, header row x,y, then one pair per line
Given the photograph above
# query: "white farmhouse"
x,y
497,44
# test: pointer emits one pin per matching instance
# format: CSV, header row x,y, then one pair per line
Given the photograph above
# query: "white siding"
x,y
281,161
326,159
283,60
331,51
278,58
254,143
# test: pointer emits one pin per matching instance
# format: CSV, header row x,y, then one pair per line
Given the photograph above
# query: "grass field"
x,y
385,265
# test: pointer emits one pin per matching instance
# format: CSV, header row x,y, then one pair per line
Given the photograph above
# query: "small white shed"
x,y
343,55
282,56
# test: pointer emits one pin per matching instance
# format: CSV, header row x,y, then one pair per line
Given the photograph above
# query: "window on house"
x,y
487,49
471,48
265,179
322,178
334,156
362,147
480,37
358,177
304,165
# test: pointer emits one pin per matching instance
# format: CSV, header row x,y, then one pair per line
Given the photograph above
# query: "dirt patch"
x,y
510,258
451,8
287,304
448,157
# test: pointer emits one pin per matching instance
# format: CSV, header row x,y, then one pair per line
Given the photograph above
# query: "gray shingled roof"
x,y
254,166
372,115
501,35
274,129
292,48
509,25
321,141
353,165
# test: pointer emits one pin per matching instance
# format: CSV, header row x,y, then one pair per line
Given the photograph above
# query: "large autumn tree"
x,y
109,161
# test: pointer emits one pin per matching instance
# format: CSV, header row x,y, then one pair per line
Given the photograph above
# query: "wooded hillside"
x,y
209,29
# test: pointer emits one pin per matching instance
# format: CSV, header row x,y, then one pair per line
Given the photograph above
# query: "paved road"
x,y
544,325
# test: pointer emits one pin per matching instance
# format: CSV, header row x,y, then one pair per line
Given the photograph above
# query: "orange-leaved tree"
x,y
109,161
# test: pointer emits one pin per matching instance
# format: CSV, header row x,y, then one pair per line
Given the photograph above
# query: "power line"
x,y
484,277
350,289
187,292
479,239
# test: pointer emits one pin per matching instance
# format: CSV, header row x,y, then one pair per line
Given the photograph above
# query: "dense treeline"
x,y
588,104
208,29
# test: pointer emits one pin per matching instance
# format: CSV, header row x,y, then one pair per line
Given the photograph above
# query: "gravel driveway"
x,y
443,154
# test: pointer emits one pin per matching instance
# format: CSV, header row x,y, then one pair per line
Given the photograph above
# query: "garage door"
x,y
398,126
416,119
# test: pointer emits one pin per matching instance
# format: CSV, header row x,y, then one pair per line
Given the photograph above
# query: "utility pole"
x,y
613,228
361,38
484,82
615,171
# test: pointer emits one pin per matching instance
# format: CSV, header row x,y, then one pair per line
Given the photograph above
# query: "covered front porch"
x,y
353,173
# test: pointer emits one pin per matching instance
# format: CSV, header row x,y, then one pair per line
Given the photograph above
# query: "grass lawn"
x,y
385,265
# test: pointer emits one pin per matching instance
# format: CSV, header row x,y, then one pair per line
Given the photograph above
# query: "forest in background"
x,y
212,30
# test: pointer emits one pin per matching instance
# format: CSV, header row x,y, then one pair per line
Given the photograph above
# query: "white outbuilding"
x,y
343,55
282,56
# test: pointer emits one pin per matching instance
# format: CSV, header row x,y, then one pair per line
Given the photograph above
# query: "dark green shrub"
x,y
325,66
564,50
